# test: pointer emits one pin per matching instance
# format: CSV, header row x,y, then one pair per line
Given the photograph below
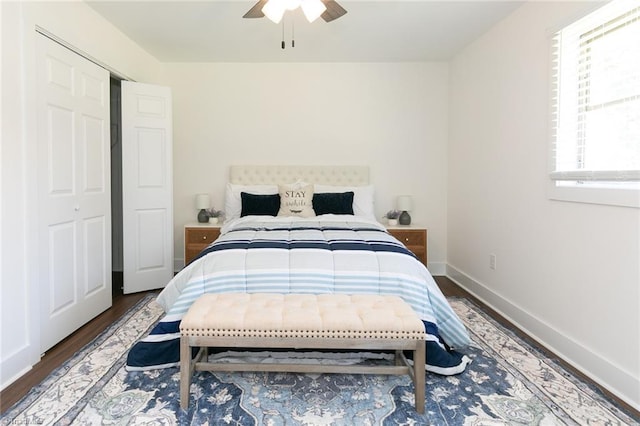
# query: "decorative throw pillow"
x,y
362,198
296,200
233,200
333,203
259,204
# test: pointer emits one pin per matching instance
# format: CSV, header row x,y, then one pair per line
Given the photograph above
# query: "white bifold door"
x,y
74,195
73,167
147,186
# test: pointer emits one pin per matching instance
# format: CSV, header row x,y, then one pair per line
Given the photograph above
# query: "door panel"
x,y
150,254
95,246
60,128
147,186
62,277
152,164
74,225
94,158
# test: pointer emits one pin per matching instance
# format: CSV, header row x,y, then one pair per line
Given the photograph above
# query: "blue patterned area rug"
x,y
508,383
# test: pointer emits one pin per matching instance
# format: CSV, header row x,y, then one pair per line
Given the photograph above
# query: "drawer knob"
x,y
204,237
406,239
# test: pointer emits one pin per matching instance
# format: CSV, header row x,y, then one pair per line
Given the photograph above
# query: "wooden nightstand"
x,y
415,238
197,236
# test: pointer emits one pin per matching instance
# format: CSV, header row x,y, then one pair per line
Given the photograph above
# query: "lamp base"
x,y
203,217
404,218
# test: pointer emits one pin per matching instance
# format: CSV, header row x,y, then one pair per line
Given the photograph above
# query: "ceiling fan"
x,y
275,9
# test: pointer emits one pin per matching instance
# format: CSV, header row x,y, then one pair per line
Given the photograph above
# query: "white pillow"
x,y
296,200
233,199
362,198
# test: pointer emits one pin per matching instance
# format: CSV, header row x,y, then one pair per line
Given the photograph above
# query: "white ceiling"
x,y
371,31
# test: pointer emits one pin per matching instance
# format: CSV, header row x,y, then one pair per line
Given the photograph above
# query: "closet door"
x,y
74,220
147,186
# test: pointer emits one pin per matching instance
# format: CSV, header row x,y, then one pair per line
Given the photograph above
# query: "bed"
x,y
304,229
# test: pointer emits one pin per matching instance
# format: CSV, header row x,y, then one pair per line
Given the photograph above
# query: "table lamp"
x,y
404,203
203,202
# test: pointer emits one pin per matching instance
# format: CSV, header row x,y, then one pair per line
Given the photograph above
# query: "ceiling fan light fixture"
x,y
292,4
274,10
312,9
329,10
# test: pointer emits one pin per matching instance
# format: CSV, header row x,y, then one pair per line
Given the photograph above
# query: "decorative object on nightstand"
x,y
404,203
203,202
214,215
392,217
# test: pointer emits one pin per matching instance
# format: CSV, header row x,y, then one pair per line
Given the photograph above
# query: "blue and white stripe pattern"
x,y
326,254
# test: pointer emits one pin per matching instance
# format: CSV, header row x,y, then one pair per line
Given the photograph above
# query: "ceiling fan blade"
x,y
334,10
256,10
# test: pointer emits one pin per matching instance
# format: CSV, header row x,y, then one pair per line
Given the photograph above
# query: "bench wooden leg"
x,y
399,358
185,372
419,356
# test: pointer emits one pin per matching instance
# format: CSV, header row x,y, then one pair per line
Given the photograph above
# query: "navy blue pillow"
x,y
261,205
333,203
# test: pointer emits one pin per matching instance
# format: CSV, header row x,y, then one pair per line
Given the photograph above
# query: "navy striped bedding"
x,y
324,254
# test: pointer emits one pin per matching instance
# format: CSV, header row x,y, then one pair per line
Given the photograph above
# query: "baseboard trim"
x,y
437,268
14,366
619,382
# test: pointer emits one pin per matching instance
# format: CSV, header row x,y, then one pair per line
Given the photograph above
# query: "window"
x,y
595,155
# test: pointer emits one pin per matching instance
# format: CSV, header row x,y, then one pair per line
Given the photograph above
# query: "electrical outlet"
x,y
492,261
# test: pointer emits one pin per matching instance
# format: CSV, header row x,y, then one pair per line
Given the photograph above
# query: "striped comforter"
x,y
324,254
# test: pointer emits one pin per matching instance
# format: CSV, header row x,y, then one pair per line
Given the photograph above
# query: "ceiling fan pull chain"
x,y
282,44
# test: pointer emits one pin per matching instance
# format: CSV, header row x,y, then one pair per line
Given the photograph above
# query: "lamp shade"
x,y
203,201
404,203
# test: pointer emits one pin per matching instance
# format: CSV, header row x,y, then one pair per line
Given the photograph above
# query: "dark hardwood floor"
x,y
55,356
121,303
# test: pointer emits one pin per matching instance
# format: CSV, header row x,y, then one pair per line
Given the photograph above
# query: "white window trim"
x,y
578,186
623,197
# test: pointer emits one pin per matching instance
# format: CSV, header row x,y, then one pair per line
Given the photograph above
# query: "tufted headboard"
x,y
324,175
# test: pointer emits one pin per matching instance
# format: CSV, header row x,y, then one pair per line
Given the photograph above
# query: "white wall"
x,y
567,273
77,24
392,117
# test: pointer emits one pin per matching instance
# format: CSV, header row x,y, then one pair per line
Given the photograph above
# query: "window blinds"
x,y
595,123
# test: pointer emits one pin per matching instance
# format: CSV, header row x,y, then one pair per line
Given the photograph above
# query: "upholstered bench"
x,y
302,321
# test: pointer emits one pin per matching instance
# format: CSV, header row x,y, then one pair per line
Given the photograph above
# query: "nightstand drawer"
x,y
201,236
415,239
410,238
197,238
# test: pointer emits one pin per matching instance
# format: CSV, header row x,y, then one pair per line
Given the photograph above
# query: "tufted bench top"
x,y
342,316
